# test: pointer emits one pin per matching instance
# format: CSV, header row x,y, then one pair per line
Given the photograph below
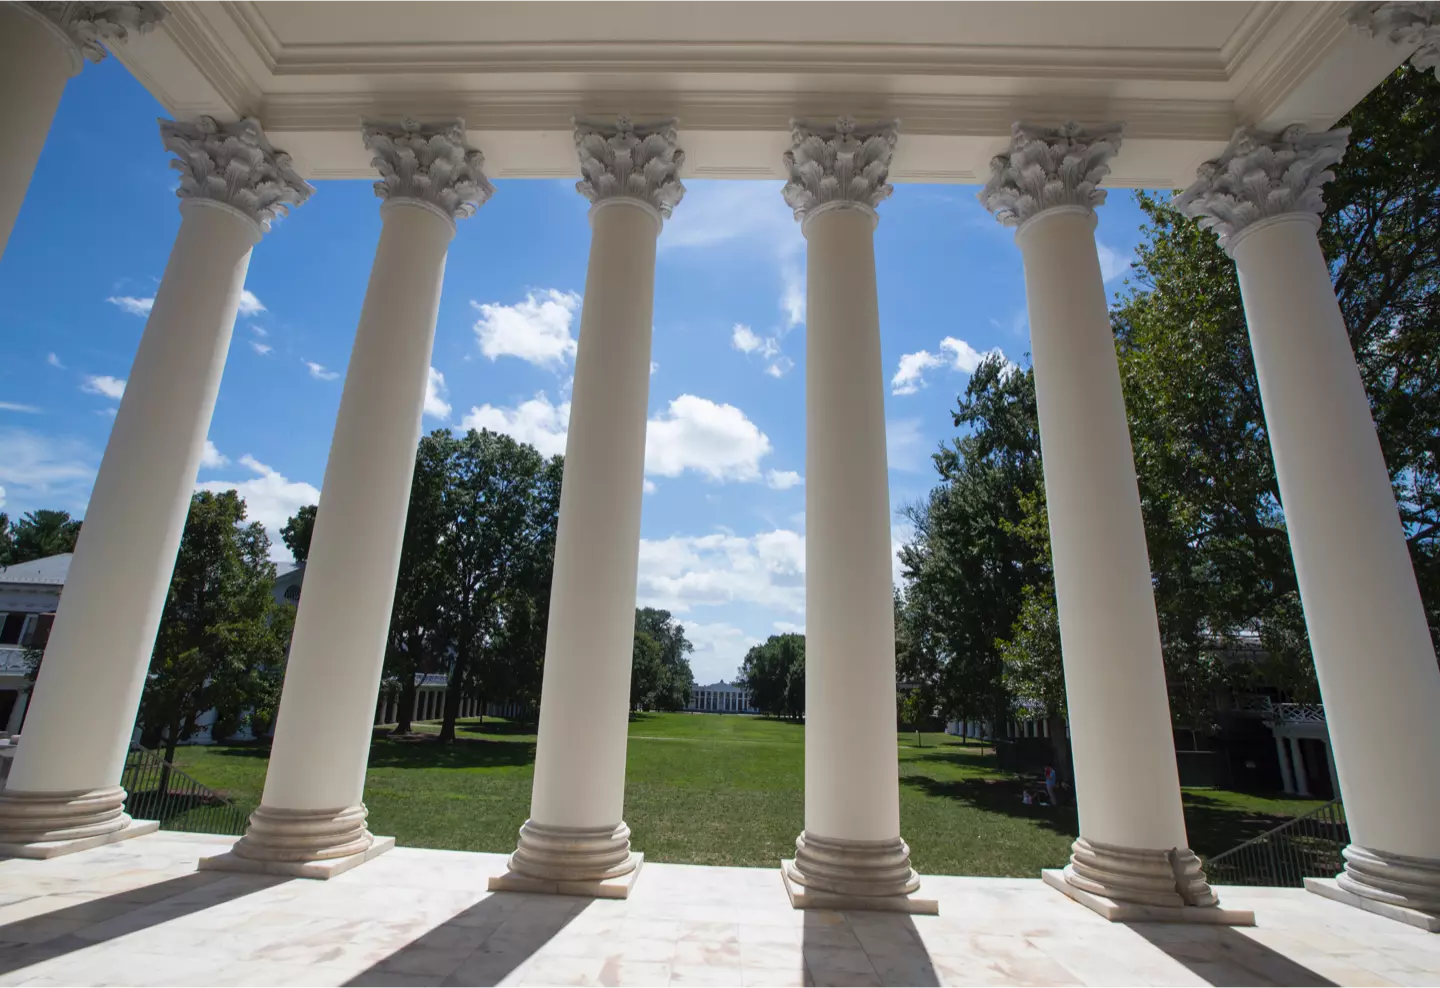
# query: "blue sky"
x,y
723,523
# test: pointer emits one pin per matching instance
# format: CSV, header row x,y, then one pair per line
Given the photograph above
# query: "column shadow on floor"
x,y
48,935
1225,957
851,947
479,946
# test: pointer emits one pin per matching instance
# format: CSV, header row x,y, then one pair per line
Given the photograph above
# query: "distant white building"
x,y
29,595
720,698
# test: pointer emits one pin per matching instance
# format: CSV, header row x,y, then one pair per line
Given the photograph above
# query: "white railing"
x,y
1296,713
12,659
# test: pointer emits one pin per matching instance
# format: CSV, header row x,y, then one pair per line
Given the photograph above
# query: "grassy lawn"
x,y
706,789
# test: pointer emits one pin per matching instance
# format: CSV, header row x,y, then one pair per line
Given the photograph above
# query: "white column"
x,y
1302,777
576,830
1126,783
311,808
851,843
1287,778
17,713
1368,634
41,47
64,783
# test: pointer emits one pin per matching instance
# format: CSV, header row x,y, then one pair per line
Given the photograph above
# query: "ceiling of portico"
x,y
1181,75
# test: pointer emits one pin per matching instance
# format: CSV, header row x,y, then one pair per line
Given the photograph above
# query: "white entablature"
x,y
1181,76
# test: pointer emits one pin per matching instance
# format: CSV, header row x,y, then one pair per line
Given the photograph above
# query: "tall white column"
x,y
1302,777
64,784
576,831
851,844
1368,634
42,45
311,809
1287,779
1132,845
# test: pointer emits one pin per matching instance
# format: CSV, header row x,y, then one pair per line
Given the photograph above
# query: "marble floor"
x,y
138,913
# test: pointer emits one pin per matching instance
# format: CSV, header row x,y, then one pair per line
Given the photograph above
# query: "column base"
x,y
1330,889
1143,876
1408,887
55,848
832,873
322,869
1137,912
51,823
304,837
593,861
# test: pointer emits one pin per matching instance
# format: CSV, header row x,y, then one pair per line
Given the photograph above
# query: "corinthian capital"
x,y
628,161
233,163
1048,167
1415,26
1262,175
428,162
845,162
93,25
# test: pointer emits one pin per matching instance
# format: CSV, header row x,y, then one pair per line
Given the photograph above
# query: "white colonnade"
x,y
576,831
1368,631
63,786
312,807
851,847
1132,845
41,47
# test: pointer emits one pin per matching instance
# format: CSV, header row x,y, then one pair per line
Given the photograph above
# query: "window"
x,y
10,630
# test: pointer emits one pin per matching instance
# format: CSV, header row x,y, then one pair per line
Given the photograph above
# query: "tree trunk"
x,y
404,717
172,738
1060,745
452,697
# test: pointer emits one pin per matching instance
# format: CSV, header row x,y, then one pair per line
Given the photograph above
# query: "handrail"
x,y
151,793
1308,846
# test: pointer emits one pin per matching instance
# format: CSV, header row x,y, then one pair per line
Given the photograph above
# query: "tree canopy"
x,y
660,677
774,673
297,532
36,535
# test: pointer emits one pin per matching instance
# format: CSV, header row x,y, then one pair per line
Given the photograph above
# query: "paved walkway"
x,y
137,913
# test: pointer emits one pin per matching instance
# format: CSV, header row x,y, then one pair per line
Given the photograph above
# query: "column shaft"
x,y
1368,634
99,651
36,60
1126,782
1302,777
579,789
322,734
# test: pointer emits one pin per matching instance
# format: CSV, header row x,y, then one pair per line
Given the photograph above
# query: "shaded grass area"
x,y
724,790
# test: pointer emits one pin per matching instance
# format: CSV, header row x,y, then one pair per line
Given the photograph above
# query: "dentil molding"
x,y
93,25
622,160
1262,175
1048,167
1409,25
233,163
845,162
428,162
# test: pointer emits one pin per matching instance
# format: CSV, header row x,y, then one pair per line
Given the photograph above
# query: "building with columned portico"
x,y
1048,106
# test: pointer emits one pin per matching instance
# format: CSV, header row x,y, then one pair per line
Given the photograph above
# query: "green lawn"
x,y
706,789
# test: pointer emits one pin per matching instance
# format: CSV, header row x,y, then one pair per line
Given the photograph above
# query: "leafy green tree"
x,y
647,672
671,686
38,534
774,673
222,638
298,531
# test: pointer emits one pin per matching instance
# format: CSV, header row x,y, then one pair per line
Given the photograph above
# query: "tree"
x,y
36,535
647,672
298,531
222,638
669,682
774,673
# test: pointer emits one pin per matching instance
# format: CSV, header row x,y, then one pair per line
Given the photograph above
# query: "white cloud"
x,y
904,445
1113,264
54,361
15,406
537,422
712,439
2,497
719,650
783,480
788,628
780,367
249,304
319,372
264,349
103,384
718,212
131,304
683,572
955,354
212,458
436,394
55,469
536,330
792,296
649,487
899,535
654,367
270,498
260,331
746,340
963,356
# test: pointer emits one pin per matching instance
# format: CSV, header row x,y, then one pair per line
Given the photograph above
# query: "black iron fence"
x,y
1308,846
157,790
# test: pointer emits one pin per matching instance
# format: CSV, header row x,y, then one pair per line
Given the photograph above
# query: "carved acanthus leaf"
x,y
93,25
841,163
1262,175
429,162
233,163
1048,167
625,160
1409,25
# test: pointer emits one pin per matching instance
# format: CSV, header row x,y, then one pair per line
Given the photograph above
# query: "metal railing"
x,y
156,790
1308,846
